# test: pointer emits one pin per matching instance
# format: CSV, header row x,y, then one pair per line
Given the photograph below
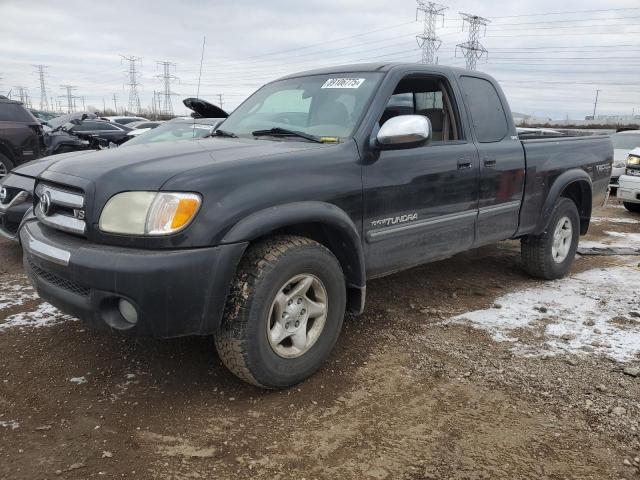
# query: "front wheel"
x,y
284,312
551,254
632,207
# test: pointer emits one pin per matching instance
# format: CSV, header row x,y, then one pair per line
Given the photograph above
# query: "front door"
x,y
421,204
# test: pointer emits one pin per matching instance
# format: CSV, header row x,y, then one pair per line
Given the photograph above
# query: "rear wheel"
x,y
551,254
632,207
284,312
5,165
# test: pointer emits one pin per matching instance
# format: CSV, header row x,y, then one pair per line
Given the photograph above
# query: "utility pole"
x,y
115,103
134,98
69,97
44,102
595,104
428,40
220,95
104,107
472,49
84,109
167,78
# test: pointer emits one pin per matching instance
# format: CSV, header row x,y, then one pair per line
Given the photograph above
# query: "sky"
x,y
549,56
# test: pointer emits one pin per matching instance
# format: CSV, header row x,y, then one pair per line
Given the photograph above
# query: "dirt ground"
x,y
406,394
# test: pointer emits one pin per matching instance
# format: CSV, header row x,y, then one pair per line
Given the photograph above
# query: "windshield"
x,y
172,131
625,141
319,105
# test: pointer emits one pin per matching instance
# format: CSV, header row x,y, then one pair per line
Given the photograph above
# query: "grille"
x,y
60,208
54,279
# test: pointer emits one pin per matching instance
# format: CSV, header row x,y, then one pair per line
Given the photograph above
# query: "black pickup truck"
x,y
264,234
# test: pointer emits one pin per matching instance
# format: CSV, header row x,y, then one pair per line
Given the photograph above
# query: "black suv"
x,y
21,137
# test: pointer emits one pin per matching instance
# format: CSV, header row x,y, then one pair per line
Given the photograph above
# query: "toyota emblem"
x,y
45,203
3,194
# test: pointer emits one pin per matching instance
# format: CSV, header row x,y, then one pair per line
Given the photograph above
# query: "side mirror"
x,y
404,131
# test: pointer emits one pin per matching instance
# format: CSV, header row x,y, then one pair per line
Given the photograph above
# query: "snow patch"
x,y
15,291
593,312
618,239
12,424
614,220
45,315
78,380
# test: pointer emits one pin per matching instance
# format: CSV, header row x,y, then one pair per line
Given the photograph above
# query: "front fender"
x,y
345,239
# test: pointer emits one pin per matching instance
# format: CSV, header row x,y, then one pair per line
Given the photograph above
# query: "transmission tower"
x,y
23,94
472,49
69,96
428,40
44,101
167,78
134,98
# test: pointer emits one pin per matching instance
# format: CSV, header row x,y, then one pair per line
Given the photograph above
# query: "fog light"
x,y
128,311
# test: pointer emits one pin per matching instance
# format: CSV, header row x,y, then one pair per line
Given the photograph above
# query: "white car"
x,y
623,143
123,120
629,183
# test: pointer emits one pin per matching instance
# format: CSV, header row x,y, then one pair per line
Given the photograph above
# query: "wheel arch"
x,y
323,222
7,152
577,186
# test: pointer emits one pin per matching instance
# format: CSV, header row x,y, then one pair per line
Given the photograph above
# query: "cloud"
x,y
249,43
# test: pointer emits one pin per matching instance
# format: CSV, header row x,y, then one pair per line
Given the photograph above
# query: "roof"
x,y
382,67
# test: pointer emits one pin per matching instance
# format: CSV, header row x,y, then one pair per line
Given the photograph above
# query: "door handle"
x,y
489,162
464,165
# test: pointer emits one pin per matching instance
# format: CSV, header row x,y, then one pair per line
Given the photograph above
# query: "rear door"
x,y
502,161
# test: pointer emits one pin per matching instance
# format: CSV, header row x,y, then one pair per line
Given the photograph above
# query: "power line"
x,y
428,40
564,13
167,78
472,49
134,98
23,94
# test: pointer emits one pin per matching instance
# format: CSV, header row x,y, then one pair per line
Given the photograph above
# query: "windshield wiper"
x,y
223,133
283,132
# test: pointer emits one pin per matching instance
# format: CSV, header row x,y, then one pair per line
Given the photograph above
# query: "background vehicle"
x,y
18,186
43,116
623,143
109,131
124,120
140,127
629,190
21,137
264,234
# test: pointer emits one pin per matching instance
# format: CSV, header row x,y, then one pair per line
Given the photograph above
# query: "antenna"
x,y
428,40
204,40
472,49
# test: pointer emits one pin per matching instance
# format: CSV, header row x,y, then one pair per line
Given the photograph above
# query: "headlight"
x,y
633,160
149,213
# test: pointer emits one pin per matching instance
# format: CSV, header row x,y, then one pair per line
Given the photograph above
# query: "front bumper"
x,y
175,293
629,189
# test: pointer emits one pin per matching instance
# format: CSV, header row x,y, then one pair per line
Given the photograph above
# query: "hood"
x,y
204,109
620,155
148,166
34,168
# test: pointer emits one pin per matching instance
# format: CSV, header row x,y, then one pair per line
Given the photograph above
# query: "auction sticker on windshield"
x,y
343,83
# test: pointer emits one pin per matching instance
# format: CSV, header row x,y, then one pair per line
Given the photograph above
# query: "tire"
x,y
632,207
537,252
252,312
5,165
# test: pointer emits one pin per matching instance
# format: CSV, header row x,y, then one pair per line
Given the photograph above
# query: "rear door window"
x,y
487,112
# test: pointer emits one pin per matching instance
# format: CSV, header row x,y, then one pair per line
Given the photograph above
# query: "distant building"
x,y
614,119
523,118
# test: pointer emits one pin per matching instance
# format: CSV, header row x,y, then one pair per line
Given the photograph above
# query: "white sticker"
x,y
343,83
202,127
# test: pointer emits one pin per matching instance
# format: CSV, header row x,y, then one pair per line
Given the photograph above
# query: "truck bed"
x,y
548,158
